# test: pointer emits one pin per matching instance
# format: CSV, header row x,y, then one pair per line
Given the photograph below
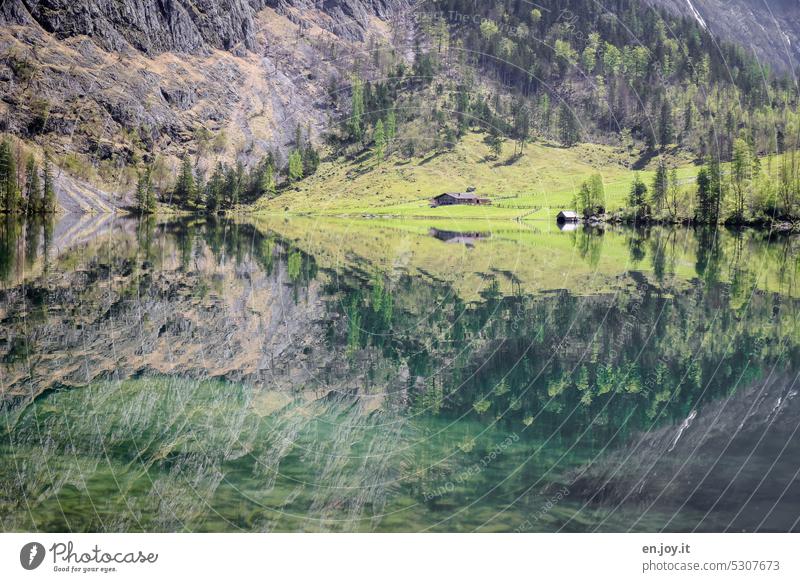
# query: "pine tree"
x,y
9,184
742,172
660,186
48,186
295,166
298,137
495,141
688,118
145,195
522,123
185,188
357,109
310,156
5,160
705,198
716,188
391,127
239,179
266,179
674,193
215,189
666,129
568,127
638,196
33,187
380,140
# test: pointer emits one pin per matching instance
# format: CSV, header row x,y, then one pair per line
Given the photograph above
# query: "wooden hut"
x,y
567,216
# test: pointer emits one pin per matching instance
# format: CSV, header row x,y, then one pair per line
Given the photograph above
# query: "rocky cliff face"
x,y
113,80
769,28
157,26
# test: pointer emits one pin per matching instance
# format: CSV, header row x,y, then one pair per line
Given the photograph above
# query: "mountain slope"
x,y
769,28
111,86
114,79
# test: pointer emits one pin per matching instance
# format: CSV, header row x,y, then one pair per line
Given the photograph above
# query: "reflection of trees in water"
x,y
22,242
9,234
186,454
651,353
589,242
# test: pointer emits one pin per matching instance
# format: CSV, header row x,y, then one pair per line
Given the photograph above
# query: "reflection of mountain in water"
x,y
733,464
220,376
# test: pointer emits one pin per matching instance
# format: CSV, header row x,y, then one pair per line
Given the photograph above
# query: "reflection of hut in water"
x,y
567,226
465,238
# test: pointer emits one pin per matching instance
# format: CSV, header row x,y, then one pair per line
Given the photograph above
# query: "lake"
x,y
301,374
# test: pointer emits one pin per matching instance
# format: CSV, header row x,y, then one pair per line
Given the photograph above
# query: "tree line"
x,y
746,190
228,185
28,192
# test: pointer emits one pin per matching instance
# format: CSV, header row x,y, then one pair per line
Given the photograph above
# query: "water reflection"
x,y
467,238
292,375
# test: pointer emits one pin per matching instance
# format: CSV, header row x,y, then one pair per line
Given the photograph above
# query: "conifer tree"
x,y
145,195
665,127
9,185
185,188
568,127
391,127
741,174
48,187
380,140
660,186
705,199
215,189
295,166
266,179
33,187
638,196
357,109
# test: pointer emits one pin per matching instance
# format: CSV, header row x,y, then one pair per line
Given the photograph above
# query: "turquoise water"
x,y
211,376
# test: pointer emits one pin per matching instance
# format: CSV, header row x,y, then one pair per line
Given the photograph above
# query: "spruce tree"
x,y
33,187
716,187
9,185
638,196
741,173
391,127
660,186
5,160
705,198
266,179
568,126
145,195
380,140
295,166
185,188
215,189
666,129
50,203
356,109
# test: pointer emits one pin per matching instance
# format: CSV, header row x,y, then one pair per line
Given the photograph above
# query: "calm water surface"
x,y
310,375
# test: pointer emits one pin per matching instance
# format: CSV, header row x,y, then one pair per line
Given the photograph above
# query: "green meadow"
x,y
535,185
